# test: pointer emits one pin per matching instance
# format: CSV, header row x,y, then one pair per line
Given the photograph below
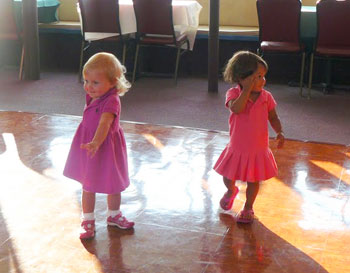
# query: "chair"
x,y
333,28
99,22
279,30
154,21
9,29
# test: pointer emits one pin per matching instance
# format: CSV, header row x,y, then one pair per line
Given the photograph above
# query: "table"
x,y
308,26
185,18
308,33
308,22
47,11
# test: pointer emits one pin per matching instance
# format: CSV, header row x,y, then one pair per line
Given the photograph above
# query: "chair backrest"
x,y
279,20
154,17
100,16
8,26
333,22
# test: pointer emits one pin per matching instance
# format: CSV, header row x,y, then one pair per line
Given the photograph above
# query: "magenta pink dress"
x,y
107,171
247,157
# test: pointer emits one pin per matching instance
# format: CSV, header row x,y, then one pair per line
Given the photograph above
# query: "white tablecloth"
x,y
185,19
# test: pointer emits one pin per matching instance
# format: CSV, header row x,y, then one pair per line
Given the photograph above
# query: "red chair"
x,y
9,30
154,20
99,22
279,29
333,28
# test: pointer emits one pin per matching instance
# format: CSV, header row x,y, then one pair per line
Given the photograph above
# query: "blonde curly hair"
x,y
108,64
241,65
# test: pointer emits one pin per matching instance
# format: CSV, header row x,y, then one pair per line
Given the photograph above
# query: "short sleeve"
x,y
232,94
112,105
271,103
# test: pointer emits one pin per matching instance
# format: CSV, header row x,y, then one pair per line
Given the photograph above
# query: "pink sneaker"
x,y
120,222
88,231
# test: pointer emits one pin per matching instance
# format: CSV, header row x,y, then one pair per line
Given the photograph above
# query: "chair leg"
x,y
135,62
177,63
81,60
310,74
124,53
260,52
328,76
21,64
302,74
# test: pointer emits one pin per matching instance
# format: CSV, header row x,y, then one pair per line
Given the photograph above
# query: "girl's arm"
x,y
276,125
100,134
238,105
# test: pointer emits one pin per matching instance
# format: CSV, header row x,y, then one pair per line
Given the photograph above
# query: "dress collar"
x,y
111,91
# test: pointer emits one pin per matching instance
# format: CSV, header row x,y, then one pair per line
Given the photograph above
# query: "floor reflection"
x,y
174,199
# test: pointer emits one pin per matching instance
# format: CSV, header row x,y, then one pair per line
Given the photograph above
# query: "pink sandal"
x,y
226,201
245,216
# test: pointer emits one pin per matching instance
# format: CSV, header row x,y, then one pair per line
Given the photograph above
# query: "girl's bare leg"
x,y
230,185
251,193
113,201
88,201
226,201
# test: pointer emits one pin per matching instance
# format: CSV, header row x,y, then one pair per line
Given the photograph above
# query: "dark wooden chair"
x,y
333,29
99,22
9,30
154,20
279,30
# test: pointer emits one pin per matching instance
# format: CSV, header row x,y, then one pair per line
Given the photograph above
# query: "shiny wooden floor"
x,y
303,215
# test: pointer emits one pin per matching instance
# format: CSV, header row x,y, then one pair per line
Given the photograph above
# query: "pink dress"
x,y
247,157
107,171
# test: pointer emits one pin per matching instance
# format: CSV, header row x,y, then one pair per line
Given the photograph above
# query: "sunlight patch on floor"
x,y
23,209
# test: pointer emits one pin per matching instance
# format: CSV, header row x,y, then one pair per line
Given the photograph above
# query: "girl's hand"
x,y
248,83
91,148
239,104
280,140
100,134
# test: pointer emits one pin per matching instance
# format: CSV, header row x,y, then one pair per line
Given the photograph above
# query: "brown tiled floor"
x,y
303,214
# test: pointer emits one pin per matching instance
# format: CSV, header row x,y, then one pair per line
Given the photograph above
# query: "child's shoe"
x,y
88,229
226,201
120,222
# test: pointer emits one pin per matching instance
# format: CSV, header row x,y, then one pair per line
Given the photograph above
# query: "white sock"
x,y
88,216
113,213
